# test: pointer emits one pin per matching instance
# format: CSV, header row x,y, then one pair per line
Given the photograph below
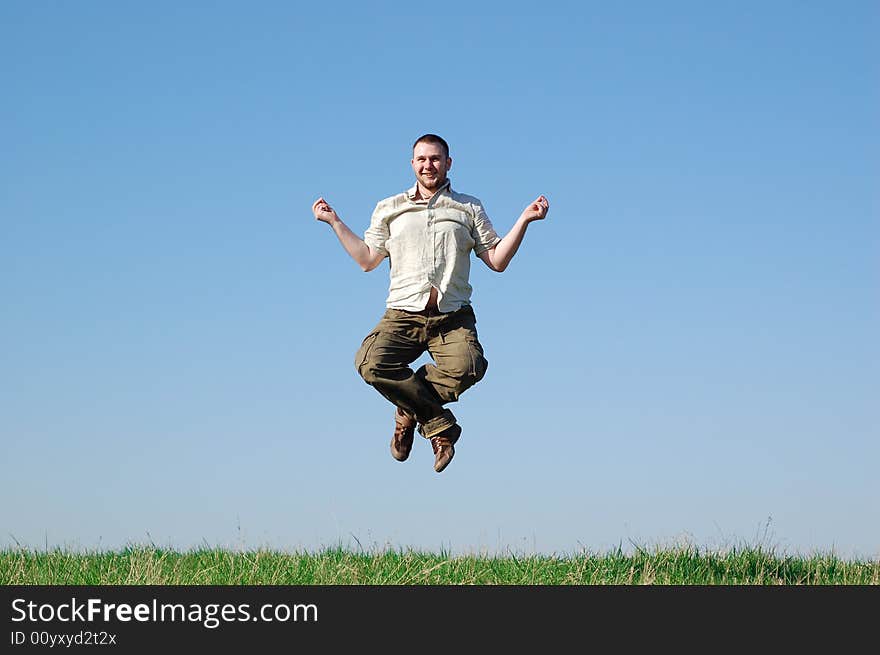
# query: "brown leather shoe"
x,y
443,446
402,441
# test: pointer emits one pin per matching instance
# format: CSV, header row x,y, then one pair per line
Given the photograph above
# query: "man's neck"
x,y
423,193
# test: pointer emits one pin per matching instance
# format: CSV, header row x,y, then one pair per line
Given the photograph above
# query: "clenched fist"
x,y
537,210
324,212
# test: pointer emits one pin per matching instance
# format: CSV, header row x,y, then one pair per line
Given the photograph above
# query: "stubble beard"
x,y
432,183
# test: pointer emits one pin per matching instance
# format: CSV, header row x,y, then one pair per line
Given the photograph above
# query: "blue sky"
x,y
684,351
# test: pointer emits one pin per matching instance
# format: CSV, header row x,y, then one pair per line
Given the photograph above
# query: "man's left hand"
x,y
537,210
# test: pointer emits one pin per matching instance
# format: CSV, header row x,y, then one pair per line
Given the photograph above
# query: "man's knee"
x,y
478,365
462,370
378,360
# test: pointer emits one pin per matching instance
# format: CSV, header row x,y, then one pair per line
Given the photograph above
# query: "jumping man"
x,y
428,233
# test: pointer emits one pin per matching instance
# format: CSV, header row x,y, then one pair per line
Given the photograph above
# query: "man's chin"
x,y
432,183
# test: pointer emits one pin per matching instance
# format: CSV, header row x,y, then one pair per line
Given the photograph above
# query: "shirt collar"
x,y
411,192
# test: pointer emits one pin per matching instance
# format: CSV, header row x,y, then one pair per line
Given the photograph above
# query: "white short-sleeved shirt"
x,y
429,243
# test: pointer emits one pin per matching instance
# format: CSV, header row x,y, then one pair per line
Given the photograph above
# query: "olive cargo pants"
x,y
384,359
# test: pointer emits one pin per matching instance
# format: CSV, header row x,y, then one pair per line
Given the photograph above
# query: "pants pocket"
x,y
363,354
479,363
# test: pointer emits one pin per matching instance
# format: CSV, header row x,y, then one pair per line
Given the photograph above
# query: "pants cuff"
x,y
437,424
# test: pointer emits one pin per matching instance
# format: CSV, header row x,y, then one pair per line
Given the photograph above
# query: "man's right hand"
x,y
324,212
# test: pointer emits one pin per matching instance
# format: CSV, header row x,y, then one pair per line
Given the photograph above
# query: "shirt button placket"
x,y
433,241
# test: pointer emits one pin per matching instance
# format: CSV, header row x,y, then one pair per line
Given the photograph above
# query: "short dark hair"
x,y
433,138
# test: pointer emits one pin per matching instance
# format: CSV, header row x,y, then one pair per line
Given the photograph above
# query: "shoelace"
x,y
400,432
439,443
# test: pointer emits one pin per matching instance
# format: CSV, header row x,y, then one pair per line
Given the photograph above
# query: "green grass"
x,y
148,565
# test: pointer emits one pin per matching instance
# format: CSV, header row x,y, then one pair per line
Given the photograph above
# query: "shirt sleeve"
x,y
483,234
377,234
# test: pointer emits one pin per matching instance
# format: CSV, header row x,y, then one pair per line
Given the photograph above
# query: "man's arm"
x,y
498,257
366,257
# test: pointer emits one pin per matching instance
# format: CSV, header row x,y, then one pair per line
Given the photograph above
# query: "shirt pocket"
x,y
454,228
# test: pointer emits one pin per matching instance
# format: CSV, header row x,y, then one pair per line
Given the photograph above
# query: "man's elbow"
x,y
491,264
370,264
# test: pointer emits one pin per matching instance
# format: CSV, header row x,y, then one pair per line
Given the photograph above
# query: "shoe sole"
x,y
397,456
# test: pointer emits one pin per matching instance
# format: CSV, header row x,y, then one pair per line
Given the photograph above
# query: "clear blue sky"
x,y
685,351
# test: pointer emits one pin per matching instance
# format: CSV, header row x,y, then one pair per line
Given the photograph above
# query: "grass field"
x,y
338,566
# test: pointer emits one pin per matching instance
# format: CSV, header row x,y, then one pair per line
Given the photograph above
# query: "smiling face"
x,y
430,163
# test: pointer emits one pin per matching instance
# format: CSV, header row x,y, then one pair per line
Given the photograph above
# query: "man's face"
x,y
430,164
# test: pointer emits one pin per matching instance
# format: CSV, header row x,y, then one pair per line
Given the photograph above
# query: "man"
x,y
428,233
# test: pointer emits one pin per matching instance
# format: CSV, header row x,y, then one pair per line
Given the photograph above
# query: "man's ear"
x,y
448,163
